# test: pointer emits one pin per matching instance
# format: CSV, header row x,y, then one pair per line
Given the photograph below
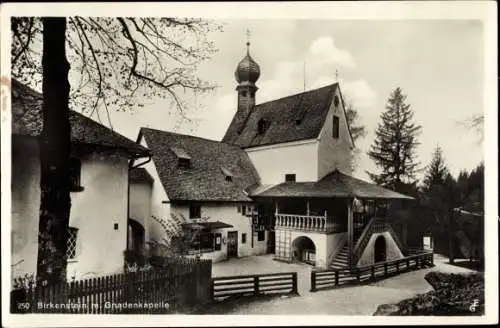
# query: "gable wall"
x,y
158,208
334,153
273,162
94,211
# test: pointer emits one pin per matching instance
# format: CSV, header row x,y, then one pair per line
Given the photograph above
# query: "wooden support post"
x,y
212,287
277,207
256,285
294,283
336,277
308,210
313,281
350,232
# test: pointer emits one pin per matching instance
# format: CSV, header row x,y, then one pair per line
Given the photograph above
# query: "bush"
x,y
453,294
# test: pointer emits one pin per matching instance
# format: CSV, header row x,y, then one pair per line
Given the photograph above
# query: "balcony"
x,y
309,223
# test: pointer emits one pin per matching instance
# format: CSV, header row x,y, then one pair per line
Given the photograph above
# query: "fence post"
x,y
336,277
397,266
357,274
256,285
432,258
313,281
294,283
385,269
407,264
212,287
372,268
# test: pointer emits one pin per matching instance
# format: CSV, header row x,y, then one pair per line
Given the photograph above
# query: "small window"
x,y
336,124
243,210
238,208
261,235
217,241
228,175
336,101
243,238
244,93
75,168
252,94
71,243
290,177
195,211
262,126
184,162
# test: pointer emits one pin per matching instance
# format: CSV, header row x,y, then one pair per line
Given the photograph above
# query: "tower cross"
x,y
336,75
248,41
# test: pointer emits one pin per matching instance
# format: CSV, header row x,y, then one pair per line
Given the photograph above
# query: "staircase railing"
x,y
363,240
375,225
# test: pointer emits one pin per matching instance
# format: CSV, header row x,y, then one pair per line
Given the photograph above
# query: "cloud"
x,y
323,51
360,92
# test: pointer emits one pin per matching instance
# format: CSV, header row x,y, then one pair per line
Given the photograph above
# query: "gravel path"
x,y
354,300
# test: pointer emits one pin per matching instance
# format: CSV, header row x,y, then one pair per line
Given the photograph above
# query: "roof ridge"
x,y
191,136
298,94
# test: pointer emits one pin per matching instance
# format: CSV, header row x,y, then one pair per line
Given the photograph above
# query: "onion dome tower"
x,y
246,74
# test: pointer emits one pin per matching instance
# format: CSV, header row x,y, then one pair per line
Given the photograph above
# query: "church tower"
x,y
247,73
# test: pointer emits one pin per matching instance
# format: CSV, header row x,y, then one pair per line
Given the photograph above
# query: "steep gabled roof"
x,y
204,179
334,184
292,118
27,120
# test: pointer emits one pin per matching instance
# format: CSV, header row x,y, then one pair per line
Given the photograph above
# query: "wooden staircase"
x,y
340,261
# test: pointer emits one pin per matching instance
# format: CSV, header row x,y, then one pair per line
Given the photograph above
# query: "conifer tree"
x,y
395,143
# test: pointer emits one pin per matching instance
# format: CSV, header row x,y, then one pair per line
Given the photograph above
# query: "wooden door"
x,y
232,244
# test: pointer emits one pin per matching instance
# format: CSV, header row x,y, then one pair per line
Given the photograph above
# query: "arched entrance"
x,y
380,249
304,250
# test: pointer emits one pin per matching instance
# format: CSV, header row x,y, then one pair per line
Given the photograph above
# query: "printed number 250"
x,y
23,306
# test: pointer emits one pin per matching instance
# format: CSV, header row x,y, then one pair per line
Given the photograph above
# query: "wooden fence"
x,y
272,283
328,279
159,290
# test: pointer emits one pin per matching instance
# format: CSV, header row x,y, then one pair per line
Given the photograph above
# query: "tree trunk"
x,y
54,145
451,232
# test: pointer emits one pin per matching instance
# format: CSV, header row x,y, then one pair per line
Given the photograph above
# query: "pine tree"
x,y
437,172
395,143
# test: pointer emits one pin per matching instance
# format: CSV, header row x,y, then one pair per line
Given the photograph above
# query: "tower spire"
x,y
248,41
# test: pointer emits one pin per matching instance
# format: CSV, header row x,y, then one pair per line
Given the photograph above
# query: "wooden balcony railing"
x,y
311,223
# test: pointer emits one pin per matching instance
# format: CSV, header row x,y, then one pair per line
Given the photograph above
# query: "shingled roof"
x,y
204,179
335,184
27,120
293,118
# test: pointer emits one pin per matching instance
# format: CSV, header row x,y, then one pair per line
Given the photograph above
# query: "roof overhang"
x,y
210,225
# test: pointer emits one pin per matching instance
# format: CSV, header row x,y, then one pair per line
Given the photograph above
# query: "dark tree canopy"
x,y
394,147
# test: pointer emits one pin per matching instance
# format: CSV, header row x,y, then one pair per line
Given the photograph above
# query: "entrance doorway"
x,y
271,241
380,249
232,244
303,250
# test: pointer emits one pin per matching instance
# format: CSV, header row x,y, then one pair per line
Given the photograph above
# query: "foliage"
x,y
453,294
395,144
121,62
358,131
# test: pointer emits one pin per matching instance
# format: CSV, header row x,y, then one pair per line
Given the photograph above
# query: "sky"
x,y
437,63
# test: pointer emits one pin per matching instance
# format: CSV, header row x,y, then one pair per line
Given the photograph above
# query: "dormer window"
x,y
335,128
183,159
228,176
290,177
262,126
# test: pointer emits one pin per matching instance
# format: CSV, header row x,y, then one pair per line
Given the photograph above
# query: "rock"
x,y
387,309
